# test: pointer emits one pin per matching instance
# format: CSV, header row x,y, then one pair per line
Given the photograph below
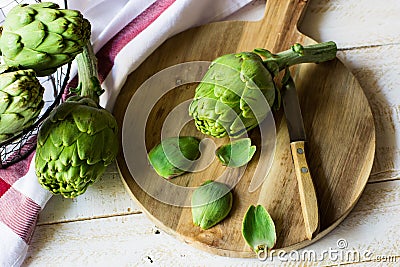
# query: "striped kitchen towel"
x,y
124,33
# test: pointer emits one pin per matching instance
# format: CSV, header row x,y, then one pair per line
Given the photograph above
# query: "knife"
x,y
297,135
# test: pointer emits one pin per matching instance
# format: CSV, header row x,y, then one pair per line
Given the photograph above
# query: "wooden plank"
x,y
353,23
361,23
106,197
132,240
377,70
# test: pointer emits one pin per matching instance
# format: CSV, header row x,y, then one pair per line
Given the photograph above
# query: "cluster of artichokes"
x,y
35,40
79,138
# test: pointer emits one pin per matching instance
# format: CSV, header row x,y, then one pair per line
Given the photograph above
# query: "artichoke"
x,y
79,138
43,37
235,92
21,100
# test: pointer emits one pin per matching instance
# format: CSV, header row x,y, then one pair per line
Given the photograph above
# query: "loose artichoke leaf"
x,y
258,229
174,156
237,153
211,203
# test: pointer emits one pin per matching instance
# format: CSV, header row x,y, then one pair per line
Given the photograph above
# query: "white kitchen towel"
x,y
124,33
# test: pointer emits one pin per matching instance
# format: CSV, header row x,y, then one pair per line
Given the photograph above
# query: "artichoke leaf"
x,y
8,119
53,43
85,144
46,13
4,101
211,203
174,156
237,153
29,56
72,15
111,149
33,34
69,156
258,229
10,40
61,136
90,120
49,152
205,108
7,78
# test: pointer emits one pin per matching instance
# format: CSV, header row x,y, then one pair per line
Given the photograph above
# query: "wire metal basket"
x,y
22,144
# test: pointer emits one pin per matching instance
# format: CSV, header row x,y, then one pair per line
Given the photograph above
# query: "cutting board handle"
x,y
285,12
279,24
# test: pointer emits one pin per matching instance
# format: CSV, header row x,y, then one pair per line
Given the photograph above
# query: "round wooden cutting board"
x,y
338,122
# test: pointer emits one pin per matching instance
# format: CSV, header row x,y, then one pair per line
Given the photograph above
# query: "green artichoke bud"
x,y
21,100
174,155
75,145
237,153
258,229
211,203
43,37
79,139
235,92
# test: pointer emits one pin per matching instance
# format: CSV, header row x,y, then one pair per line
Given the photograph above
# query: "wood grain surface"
x,y
338,122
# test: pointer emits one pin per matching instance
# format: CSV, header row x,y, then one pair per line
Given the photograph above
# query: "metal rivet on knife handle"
x,y
304,170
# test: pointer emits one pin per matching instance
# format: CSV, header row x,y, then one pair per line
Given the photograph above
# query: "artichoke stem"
x,y
89,84
303,54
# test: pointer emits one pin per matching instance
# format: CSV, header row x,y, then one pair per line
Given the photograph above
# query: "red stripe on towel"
x,y
19,213
3,187
106,55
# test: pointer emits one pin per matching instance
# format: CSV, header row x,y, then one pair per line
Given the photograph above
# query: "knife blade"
x,y
297,135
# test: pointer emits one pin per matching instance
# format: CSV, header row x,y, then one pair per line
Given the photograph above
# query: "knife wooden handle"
x,y
308,198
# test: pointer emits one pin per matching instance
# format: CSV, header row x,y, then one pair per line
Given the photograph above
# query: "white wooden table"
x,y
105,226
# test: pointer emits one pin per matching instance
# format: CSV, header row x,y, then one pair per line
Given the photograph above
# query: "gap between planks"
x,y
81,219
365,46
